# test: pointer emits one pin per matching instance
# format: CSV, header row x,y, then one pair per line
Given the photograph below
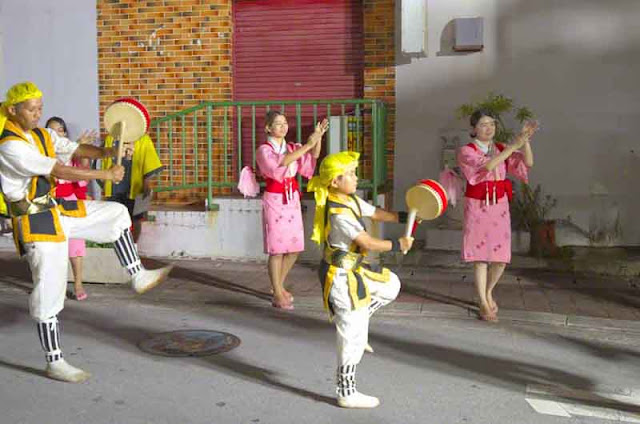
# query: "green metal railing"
x,y
204,147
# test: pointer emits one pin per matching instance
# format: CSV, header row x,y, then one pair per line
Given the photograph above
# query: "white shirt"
x,y
345,227
20,161
483,146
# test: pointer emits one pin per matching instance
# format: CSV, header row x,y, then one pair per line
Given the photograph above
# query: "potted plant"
x,y
501,106
530,212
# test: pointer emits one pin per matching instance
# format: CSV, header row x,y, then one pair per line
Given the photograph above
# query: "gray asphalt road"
x,y
424,370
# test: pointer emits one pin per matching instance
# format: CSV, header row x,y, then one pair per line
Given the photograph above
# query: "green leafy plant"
x,y
530,207
99,245
500,106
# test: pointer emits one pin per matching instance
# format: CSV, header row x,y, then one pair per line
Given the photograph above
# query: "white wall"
x,y
54,44
576,63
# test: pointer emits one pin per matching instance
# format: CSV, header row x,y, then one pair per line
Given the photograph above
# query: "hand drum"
x,y
126,120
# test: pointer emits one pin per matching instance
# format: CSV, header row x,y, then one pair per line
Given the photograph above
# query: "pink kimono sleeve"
x,y
268,162
471,163
306,164
517,167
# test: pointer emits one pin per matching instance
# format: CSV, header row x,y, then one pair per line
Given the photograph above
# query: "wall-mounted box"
x,y
468,34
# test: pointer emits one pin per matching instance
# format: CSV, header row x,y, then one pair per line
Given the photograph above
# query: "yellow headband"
x,y
331,167
17,94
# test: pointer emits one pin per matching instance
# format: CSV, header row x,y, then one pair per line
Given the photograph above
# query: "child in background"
x,y
74,190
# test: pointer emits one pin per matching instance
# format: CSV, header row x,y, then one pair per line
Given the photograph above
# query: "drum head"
x,y
428,199
132,113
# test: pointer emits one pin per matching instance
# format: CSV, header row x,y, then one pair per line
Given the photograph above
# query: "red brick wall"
x,y
170,54
380,71
174,54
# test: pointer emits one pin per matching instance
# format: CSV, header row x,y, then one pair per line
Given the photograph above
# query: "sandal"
x,y
286,304
82,296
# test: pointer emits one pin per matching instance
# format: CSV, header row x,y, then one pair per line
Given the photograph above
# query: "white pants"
x,y
352,326
48,261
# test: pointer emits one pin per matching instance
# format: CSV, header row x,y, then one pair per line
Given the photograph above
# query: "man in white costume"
x,y
30,160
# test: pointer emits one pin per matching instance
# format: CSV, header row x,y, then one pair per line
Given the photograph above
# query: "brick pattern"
x,y
379,67
170,54
175,54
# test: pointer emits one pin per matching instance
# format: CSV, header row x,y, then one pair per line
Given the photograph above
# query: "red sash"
x,y
67,189
480,190
288,184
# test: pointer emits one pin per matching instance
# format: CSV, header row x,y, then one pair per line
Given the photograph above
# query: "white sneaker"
x,y
368,348
61,370
147,279
358,400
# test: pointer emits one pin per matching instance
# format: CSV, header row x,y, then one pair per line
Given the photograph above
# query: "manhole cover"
x,y
189,343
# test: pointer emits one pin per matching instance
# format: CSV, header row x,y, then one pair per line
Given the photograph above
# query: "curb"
x,y
440,311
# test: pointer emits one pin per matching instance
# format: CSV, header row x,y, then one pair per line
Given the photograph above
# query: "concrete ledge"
x,y
101,265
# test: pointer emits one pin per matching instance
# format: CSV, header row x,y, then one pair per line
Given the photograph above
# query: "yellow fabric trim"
x,y
381,277
81,212
3,206
328,283
12,138
28,237
145,161
34,187
16,239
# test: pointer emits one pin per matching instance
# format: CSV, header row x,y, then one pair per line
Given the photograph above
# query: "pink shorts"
x,y
77,248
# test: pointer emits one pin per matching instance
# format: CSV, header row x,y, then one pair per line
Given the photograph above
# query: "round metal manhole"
x,y
189,343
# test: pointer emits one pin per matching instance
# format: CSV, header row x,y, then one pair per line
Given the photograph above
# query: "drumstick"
x,y
411,220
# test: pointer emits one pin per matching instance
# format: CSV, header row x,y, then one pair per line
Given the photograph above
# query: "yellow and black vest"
x,y
352,261
36,217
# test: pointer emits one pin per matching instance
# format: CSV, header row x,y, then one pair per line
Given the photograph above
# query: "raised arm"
x,y
521,140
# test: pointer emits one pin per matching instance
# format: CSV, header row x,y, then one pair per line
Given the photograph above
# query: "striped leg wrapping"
x,y
374,306
49,334
127,253
346,384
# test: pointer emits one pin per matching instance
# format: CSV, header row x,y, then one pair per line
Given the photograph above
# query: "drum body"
x,y
428,198
132,113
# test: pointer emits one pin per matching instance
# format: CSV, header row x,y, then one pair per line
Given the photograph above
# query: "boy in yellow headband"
x,y
30,160
352,290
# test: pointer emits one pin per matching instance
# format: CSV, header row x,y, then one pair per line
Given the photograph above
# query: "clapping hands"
x,y
321,128
528,129
87,137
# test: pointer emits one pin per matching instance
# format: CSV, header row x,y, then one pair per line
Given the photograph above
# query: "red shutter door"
x,y
296,50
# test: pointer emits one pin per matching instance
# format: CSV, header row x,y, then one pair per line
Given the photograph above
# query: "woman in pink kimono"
x,y
279,163
487,223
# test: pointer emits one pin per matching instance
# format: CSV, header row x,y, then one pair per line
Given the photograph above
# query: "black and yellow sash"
x,y
36,217
351,261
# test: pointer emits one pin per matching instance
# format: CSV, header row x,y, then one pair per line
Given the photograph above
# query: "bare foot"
x,y
492,304
486,314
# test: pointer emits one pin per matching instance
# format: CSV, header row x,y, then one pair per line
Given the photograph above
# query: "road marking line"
x,y
611,404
